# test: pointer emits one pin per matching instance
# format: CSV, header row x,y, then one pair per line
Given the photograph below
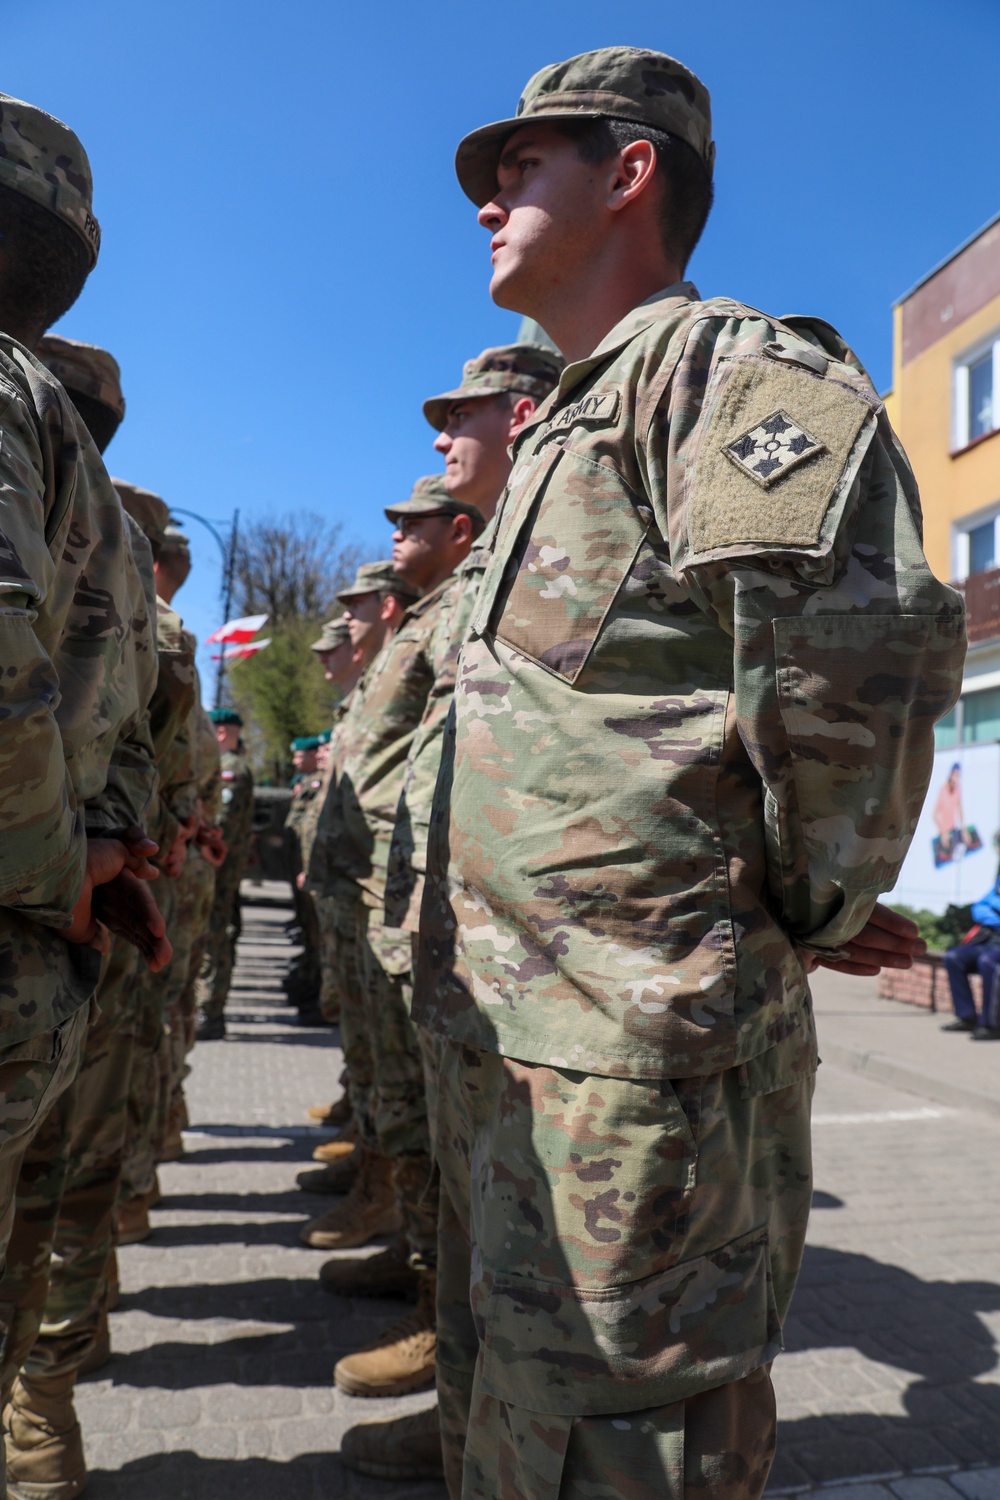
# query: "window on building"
x,y
981,396
946,731
977,393
977,546
982,547
981,717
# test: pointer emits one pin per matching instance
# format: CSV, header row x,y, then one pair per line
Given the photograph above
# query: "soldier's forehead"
x,y
524,137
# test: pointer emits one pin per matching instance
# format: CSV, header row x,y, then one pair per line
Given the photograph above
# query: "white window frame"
x,y
960,539
960,388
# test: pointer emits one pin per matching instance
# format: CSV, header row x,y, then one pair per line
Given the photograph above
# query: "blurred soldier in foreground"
x,y
709,547
476,423
236,824
76,679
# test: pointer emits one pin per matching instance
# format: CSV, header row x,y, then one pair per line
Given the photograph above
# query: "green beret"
x,y
225,716
306,742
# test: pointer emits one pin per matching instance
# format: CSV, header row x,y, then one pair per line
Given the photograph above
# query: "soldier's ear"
x,y
522,411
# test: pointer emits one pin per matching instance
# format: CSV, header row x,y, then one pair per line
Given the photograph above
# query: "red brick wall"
x,y
925,984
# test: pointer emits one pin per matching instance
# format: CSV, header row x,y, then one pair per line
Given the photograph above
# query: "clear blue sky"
x,y
289,266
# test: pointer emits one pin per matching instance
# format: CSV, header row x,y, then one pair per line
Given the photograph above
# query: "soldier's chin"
x,y
507,287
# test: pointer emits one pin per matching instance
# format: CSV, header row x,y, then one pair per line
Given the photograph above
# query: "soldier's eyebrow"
x,y
509,156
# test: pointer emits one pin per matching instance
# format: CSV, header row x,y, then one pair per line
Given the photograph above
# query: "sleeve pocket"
x,y
593,1351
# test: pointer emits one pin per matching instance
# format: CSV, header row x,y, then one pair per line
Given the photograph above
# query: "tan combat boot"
x,y
331,1115
335,1177
44,1446
370,1209
402,1448
386,1274
401,1360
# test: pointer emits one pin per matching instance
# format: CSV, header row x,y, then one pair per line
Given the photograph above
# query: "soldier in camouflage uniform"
x,y
696,702
302,983
77,679
236,823
175,827
195,883
476,423
434,532
374,604
336,656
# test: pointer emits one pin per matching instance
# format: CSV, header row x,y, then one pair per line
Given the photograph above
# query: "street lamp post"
x,y
228,550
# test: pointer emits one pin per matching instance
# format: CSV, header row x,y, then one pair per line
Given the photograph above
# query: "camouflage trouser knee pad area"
x,y
638,1244
400,1093
219,953
352,920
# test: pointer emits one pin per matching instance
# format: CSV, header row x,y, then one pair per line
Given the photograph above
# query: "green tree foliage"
x,y
938,932
289,569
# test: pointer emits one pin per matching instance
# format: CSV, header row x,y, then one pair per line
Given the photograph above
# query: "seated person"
x,y
978,952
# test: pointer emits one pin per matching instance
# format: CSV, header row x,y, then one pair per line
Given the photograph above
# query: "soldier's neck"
x,y
579,315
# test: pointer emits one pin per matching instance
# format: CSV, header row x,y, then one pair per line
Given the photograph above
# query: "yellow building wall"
x,y
920,409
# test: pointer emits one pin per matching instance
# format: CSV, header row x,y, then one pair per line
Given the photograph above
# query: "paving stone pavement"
x,y
220,1385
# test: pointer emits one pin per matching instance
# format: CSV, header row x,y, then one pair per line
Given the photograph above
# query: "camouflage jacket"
x,y
377,735
693,722
79,668
408,851
207,761
171,721
236,812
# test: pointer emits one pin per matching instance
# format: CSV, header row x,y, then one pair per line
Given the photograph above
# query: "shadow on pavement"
x,y
184,1475
929,1329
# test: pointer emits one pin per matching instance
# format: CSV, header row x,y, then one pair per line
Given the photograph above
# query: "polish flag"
x,y
233,653
237,632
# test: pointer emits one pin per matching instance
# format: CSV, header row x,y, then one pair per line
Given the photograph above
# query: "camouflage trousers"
x,y
636,1249
152,992
195,894
219,957
400,1093
56,1274
33,1076
351,924
329,989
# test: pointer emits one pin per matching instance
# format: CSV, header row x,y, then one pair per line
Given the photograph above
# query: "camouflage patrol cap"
x,y
615,83
335,633
430,498
84,369
148,511
378,578
174,539
530,369
225,716
42,159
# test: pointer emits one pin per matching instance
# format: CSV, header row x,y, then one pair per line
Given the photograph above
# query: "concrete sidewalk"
x,y
903,1045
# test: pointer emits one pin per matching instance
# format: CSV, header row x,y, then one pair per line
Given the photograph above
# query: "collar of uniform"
x,y
635,322
624,331
421,605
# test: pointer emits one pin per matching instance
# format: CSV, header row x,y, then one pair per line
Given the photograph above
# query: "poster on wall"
x,y
953,858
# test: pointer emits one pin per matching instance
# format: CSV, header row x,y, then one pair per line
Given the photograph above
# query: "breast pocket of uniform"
x,y
569,564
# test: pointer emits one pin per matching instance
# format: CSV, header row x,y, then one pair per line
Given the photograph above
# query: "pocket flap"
x,y
589,1351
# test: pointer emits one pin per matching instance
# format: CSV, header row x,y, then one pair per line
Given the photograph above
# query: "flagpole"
x,y
220,676
228,550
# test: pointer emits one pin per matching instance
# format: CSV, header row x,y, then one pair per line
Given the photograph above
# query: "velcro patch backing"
x,y
728,505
